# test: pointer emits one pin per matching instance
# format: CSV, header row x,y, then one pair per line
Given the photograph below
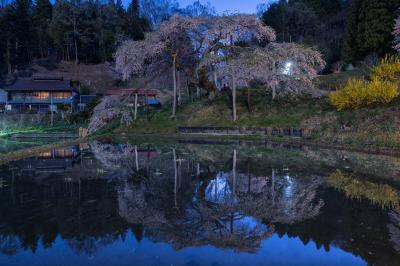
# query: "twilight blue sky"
x,y
242,6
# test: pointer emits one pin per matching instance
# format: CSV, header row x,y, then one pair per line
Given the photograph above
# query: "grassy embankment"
x,y
11,124
373,126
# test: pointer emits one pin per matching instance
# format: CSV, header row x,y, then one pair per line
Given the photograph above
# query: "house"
x,y
145,96
40,93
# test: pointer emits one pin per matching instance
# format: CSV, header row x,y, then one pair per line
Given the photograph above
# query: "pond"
x,y
199,202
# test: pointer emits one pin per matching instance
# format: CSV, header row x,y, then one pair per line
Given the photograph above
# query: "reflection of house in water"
x,y
51,161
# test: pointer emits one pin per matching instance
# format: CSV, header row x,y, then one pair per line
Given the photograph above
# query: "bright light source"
x,y
288,68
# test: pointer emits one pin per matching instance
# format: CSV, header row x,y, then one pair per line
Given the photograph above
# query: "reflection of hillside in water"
x,y
232,200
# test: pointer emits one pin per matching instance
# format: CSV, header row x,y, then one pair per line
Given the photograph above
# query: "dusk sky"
x,y
242,6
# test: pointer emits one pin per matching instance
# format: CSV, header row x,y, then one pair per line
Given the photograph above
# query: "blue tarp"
x,y
153,102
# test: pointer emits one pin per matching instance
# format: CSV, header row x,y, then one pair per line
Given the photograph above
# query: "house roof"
x,y
38,84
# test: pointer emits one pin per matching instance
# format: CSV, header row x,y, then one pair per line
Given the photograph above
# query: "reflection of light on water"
x,y
218,190
289,187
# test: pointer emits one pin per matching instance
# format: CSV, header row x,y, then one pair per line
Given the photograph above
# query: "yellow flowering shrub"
x,y
358,93
388,69
350,96
381,91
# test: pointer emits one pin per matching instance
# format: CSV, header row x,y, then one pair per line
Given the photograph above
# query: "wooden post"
x,y
51,109
147,104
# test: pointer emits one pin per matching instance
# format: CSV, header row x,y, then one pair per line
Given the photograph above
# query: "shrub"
x,y
350,96
358,93
388,69
381,92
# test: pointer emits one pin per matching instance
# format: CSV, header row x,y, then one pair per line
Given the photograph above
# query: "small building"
x,y
145,96
40,93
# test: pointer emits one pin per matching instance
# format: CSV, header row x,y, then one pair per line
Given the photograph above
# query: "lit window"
x,y
40,95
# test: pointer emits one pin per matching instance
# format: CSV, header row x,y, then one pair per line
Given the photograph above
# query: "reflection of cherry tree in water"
x,y
117,158
151,200
225,211
394,229
278,198
285,200
124,160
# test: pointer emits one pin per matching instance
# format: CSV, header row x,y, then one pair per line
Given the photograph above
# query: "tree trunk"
x,y
187,89
234,172
136,159
233,85
175,89
215,80
179,87
249,107
197,86
76,51
136,107
234,96
273,92
175,179
273,186
8,58
75,42
274,85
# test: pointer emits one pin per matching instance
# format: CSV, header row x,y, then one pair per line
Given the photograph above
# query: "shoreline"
x,y
200,139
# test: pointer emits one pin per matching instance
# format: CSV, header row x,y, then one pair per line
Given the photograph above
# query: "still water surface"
x,y
200,203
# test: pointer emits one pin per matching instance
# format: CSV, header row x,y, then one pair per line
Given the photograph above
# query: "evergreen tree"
x,y
66,28
350,49
133,27
42,16
324,8
22,30
369,28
